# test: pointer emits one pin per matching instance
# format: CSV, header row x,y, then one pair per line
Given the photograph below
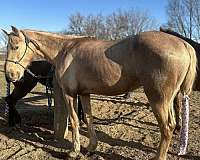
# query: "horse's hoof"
x,y
92,147
177,130
73,154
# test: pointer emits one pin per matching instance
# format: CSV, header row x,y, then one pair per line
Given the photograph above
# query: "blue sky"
x,y
52,15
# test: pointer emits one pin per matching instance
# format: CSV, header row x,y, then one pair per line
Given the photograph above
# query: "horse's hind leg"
x,y
89,121
162,106
177,109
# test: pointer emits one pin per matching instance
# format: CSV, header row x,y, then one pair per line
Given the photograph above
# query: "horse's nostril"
x,y
12,75
18,74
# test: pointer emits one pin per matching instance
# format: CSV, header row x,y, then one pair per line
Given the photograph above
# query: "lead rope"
x,y
49,87
184,127
7,94
49,95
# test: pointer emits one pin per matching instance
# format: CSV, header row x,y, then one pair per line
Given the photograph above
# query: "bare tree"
x,y
76,24
196,16
122,23
3,41
140,21
184,17
94,26
117,25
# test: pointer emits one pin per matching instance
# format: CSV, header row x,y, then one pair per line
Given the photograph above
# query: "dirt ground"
x,y
126,129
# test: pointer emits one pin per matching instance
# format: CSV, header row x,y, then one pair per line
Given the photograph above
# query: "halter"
x,y
48,86
27,41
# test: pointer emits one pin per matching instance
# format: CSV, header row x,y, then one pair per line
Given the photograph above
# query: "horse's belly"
x,y
120,87
106,76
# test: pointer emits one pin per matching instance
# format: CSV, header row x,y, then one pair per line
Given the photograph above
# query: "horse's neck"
x,y
49,44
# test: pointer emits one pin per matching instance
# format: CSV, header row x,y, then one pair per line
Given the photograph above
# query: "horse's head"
x,y
20,51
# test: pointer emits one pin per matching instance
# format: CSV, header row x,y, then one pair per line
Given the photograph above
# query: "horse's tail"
x,y
186,88
188,82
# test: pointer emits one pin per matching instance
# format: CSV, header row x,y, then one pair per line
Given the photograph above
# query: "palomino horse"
x,y
196,86
162,64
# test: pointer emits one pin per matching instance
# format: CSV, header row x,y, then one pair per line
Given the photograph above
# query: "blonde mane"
x,y
56,35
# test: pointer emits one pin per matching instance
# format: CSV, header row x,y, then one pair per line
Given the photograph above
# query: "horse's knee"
x,y
172,120
74,123
166,132
168,128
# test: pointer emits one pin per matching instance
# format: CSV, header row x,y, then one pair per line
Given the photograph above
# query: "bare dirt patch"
x,y
126,130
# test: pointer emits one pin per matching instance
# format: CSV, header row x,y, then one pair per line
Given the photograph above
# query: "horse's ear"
x,y
15,30
6,33
161,28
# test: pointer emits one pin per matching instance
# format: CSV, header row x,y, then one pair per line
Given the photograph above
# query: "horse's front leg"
x,y
13,116
60,117
80,111
85,100
71,106
21,90
60,113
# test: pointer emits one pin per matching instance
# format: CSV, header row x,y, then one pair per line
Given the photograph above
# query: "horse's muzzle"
x,y
12,76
